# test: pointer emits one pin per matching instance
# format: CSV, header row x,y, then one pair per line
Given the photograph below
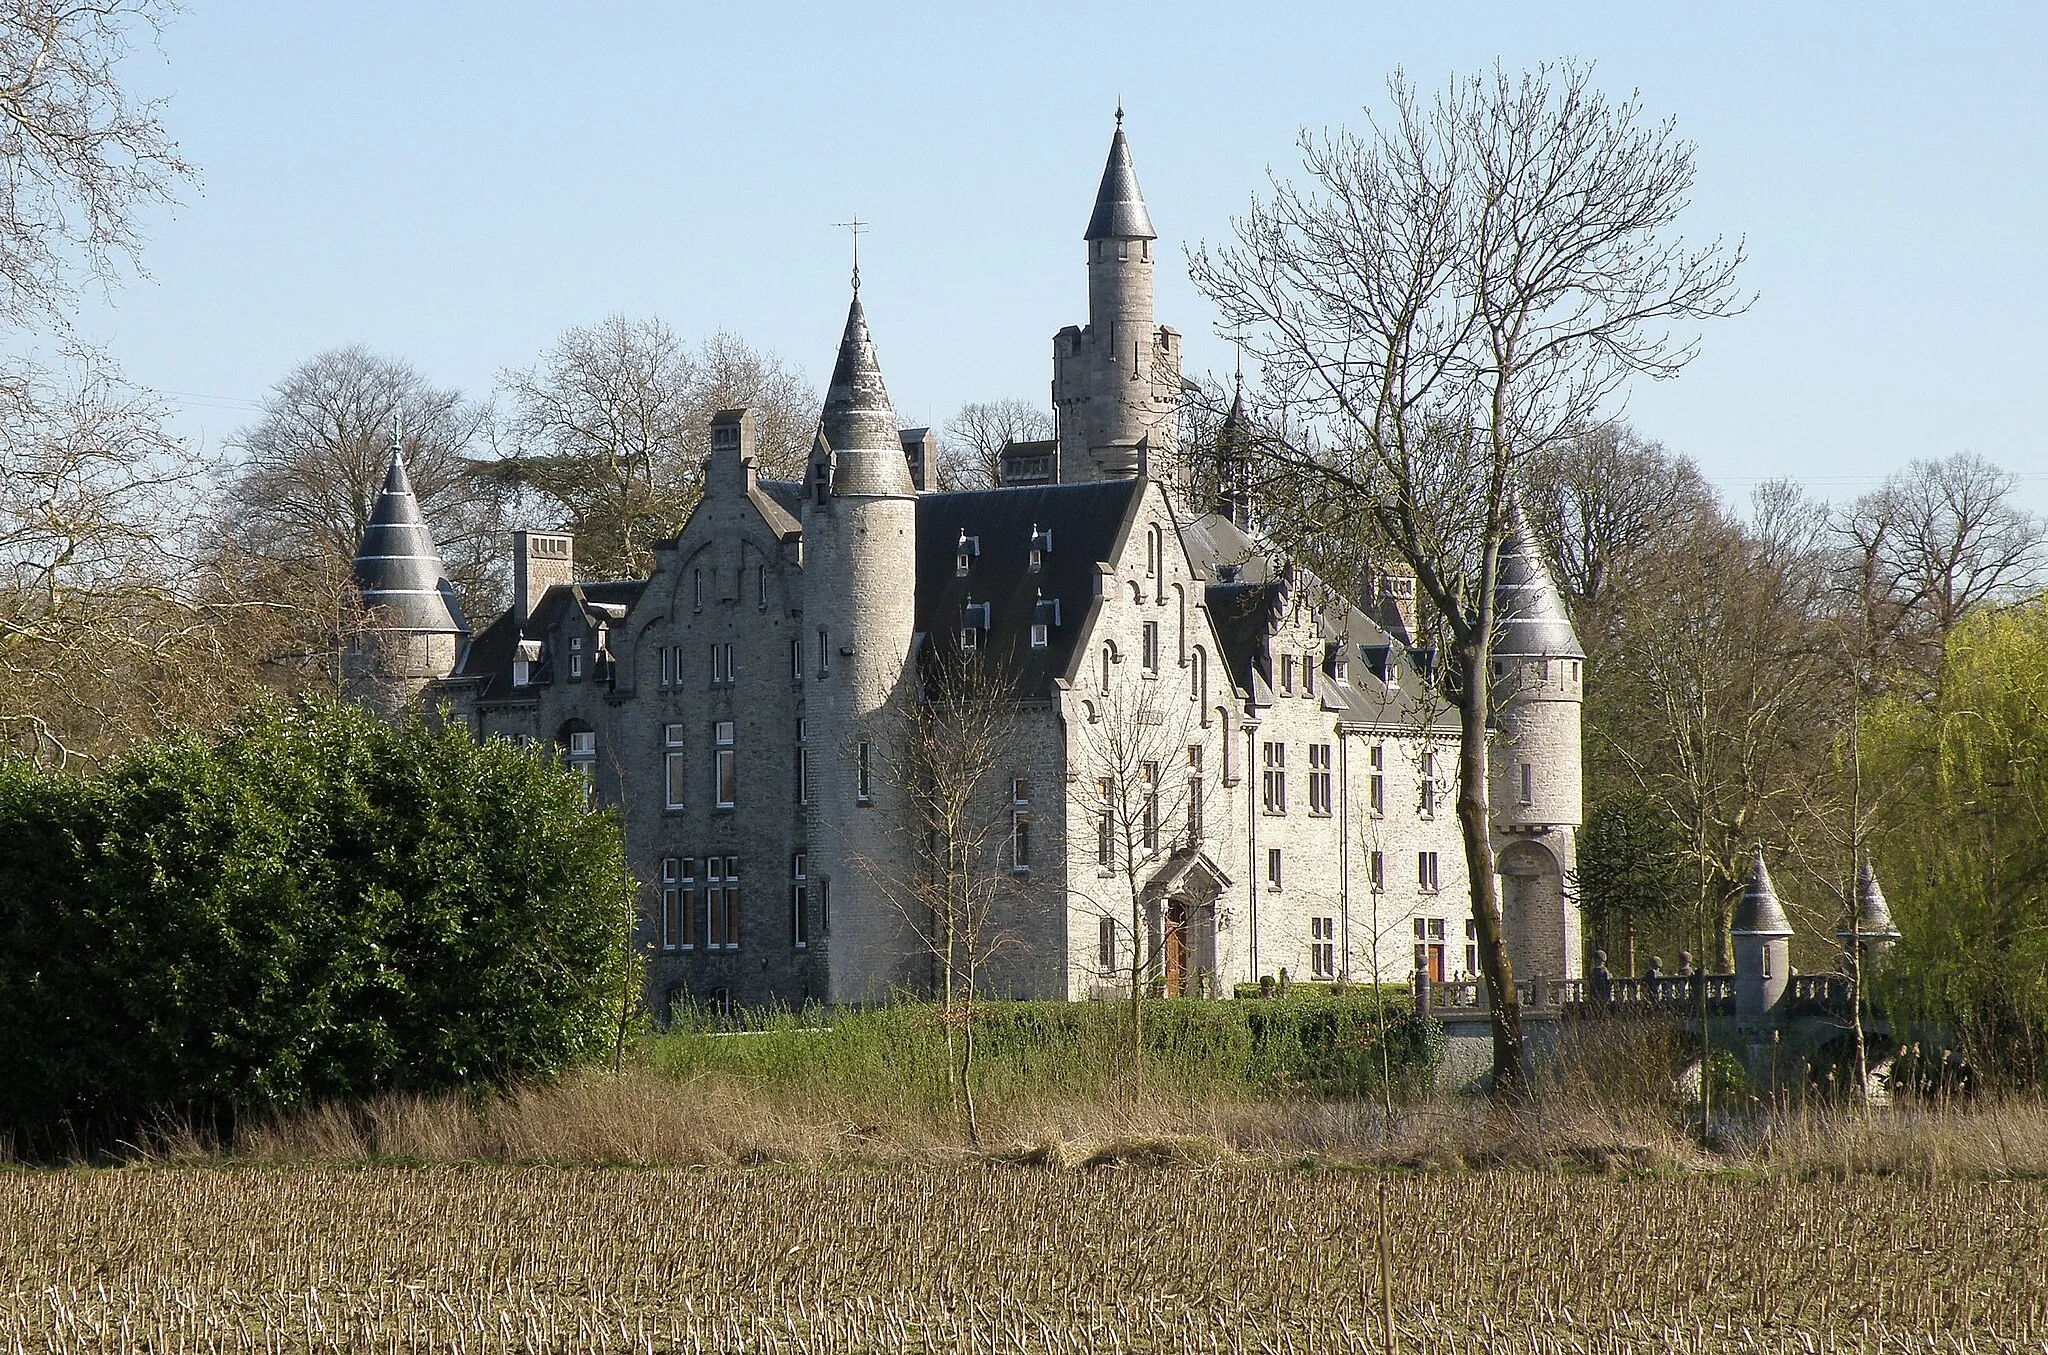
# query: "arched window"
x,y
1108,658
1198,684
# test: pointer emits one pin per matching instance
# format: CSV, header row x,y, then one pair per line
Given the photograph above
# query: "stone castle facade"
x,y
1187,716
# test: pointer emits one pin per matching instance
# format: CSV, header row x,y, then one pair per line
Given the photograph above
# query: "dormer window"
x,y
964,553
1045,614
1041,546
975,623
821,482
576,659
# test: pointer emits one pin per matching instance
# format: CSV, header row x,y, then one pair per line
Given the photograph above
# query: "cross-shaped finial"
x,y
856,226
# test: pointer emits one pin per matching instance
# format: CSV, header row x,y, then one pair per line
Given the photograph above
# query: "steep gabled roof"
x,y
1084,522
397,570
490,656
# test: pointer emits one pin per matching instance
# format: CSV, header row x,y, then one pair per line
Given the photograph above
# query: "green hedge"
x,y
1313,1043
314,905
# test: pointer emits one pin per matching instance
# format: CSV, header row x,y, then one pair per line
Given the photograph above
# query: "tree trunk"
x,y
1474,822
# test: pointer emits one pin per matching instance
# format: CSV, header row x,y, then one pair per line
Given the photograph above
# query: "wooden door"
x,y
1176,950
1436,964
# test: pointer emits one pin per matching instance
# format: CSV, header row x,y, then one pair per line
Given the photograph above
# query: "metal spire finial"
x,y
856,226
397,433
1119,112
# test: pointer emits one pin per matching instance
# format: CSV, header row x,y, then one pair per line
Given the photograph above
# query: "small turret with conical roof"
x,y
1762,938
413,629
1116,382
1875,932
1233,464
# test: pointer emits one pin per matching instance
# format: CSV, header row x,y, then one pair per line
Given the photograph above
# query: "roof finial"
x,y
397,431
856,226
1119,112
1238,343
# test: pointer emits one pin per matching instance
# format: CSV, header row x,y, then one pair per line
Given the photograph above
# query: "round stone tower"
x,y
412,629
860,563
1875,933
1536,792
1116,383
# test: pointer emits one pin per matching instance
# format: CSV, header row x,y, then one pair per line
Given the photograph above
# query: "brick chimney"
x,y
540,560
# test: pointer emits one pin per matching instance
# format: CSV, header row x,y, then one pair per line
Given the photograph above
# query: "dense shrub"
x,y
315,905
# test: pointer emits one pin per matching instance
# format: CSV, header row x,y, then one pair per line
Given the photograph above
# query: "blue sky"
x,y
454,183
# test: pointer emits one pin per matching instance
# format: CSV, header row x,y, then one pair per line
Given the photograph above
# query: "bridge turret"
x,y
1763,947
1874,933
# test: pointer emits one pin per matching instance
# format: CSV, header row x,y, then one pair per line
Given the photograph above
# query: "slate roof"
x,y
1873,914
397,570
1086,524
1760,913
490,656
858,423
1119,207
1533,621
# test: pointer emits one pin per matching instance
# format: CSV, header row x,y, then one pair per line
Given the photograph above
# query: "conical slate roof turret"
x,y
858,422
1533,621
1119,207
1760,913
397,570
1233,465
1873,914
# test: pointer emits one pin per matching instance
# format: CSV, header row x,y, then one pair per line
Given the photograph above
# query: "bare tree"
x,y
972,455
951,864
1938,539
111,626
1452,296
79,157
610,429
1129,781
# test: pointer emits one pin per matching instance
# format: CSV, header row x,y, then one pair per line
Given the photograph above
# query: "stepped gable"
x,y
1532,621
1085,522
1119,207
397,570
858,423
1760,913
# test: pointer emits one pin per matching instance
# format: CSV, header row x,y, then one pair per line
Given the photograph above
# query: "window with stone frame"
x,y
799,901
724,765
722,903
1273,782
1323,947
675,766
1319,779
1425,872
678,903
1426,787
1376,783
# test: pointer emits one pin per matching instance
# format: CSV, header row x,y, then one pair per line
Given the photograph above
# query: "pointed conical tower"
x,y
1875,931
1536,795
1116,382
413,628
1763,946
860,558
1233,464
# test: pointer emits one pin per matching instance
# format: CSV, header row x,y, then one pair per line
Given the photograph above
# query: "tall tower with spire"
x,y
860,555
1536,792
413,631
1116,381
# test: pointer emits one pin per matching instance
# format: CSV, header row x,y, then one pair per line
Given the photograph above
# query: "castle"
x,y
1209,754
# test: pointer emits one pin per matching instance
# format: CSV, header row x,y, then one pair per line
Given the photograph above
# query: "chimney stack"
x,y
540,560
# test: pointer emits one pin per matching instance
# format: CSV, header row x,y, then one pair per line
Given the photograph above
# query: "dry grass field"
x,y
1160,1255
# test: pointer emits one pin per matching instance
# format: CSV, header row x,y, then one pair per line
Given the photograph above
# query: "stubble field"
x,y
1007,1257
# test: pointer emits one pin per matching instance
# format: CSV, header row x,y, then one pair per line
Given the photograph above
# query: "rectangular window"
x,y
675,767
1274,783
864,774
1425,871
722,903
1287,674
725,765
1319,795
1376,787
1273,867
679,903
796,659
1149,774
970,638
1105,943
722,665
1038,635
1376,871
799,902
668,665
1194,809
1151,647
824,653
1426,806
803,776
1308,675
1105,841
1020,840
1322,933
1020,790
1528,783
